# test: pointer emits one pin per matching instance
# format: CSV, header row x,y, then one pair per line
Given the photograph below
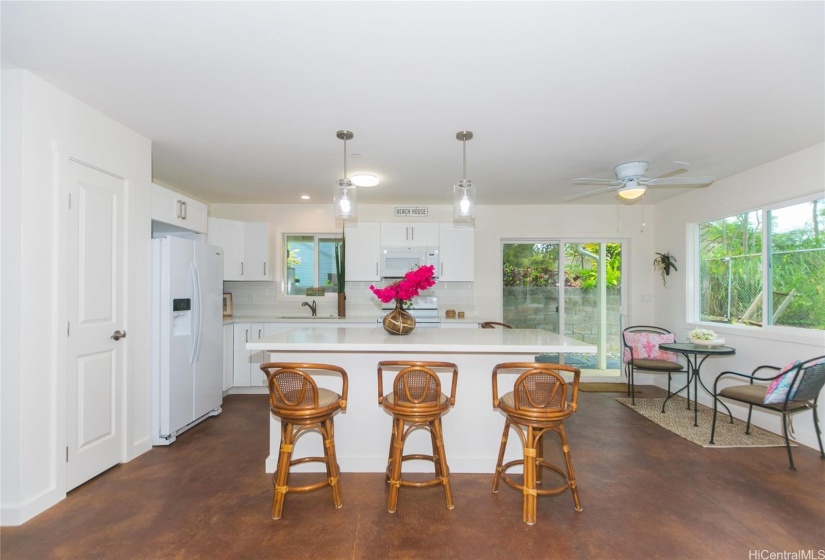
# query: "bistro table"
x,y
696,354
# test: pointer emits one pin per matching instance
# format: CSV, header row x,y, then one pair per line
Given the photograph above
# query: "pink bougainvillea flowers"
x,y
414,281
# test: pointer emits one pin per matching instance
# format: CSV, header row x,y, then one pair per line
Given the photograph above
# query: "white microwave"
x,y
397,261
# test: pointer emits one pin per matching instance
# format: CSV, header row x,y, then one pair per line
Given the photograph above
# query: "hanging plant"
x,y
664,262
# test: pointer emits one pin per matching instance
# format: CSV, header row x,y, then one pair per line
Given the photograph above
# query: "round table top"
x,y
690,348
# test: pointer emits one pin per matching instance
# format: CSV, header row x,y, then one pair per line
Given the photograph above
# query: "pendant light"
x,y
464,194
345,193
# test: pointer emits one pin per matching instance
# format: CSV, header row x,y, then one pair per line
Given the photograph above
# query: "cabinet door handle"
x,y
247,335
441,269
241,268
407,233
376,269
178,211
259,334
184,212
412,233
264,268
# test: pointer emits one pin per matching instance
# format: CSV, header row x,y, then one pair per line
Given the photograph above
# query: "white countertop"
x,y
300,320
476,341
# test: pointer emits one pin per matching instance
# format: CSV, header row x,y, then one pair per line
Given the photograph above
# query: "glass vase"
x,y
399,321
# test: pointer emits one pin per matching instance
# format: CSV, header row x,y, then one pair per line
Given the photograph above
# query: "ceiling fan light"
x,y
632,191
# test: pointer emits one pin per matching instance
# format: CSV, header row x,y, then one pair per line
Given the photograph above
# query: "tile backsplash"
x,y
263,299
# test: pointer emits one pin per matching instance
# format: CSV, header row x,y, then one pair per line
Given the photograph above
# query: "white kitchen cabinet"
x,y
363,251
245,248
409,234
247,363
174,208
228,356
256,251
456,253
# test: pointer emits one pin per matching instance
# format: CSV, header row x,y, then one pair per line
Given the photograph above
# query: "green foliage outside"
x,y
536,265
731,263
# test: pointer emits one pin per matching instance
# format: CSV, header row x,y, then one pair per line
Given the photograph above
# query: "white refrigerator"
x,y
187,335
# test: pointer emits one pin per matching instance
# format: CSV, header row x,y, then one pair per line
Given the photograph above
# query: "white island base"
x,y
472,429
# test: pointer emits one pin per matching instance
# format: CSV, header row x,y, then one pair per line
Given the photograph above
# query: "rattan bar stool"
x,y
303,407
416,401
540,401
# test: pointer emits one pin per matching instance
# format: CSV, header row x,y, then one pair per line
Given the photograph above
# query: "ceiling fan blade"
x,y
684,181
590,193
672,168
589,181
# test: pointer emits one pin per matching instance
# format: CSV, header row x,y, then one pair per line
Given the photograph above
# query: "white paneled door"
x,y
96,342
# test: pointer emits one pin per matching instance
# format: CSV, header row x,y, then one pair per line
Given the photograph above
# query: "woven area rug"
x,y
605,388
679,420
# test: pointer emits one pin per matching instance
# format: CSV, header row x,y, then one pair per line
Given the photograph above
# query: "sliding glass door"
x,y
567,286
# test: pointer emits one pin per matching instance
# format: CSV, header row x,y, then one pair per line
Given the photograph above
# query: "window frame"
x,y
283,265
693,283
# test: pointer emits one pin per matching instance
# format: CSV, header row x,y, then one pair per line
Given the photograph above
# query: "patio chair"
x,y
795,388
641,352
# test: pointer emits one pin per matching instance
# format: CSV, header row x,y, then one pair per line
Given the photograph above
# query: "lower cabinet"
x,y
247,363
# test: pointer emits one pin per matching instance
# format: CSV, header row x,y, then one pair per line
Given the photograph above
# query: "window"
x,y
311,263
586,305
765,259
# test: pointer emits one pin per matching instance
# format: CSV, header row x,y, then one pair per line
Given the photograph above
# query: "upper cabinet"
x,y
173,208
363,251
245,248
456,253
409,234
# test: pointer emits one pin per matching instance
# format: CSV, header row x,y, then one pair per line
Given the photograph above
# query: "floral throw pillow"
x,y
646,346
779,387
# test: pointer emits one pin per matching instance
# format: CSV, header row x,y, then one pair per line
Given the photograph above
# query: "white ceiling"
x,y
242,100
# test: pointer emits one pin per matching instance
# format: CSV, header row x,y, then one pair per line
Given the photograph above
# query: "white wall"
x,y
784,179
42,126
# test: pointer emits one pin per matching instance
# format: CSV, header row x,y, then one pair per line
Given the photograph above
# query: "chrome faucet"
x,y
312,306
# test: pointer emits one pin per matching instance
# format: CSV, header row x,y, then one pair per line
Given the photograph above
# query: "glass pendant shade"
x,y
464,201
464,193
346,199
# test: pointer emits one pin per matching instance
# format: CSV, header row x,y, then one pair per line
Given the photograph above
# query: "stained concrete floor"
x,y
646,493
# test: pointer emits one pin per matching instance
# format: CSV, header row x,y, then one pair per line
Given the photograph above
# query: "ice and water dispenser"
x,y
181,317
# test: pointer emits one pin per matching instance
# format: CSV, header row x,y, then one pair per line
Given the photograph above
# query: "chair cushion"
x,y
645,346
755,394
327,397
779,387
657,365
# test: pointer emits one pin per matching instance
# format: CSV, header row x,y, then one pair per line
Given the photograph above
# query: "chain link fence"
x,y
731,289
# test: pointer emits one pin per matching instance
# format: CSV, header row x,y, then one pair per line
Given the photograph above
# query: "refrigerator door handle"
x,y
197,327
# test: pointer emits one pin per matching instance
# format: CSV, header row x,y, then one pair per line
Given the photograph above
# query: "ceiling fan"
x,y
631,183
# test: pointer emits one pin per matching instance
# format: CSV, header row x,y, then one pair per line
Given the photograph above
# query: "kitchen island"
x,y
472,429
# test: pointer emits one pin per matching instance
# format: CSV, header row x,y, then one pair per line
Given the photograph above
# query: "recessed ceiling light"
x,y
304,197
364,180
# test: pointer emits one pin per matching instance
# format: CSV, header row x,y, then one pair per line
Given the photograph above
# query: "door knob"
x,y
117,335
